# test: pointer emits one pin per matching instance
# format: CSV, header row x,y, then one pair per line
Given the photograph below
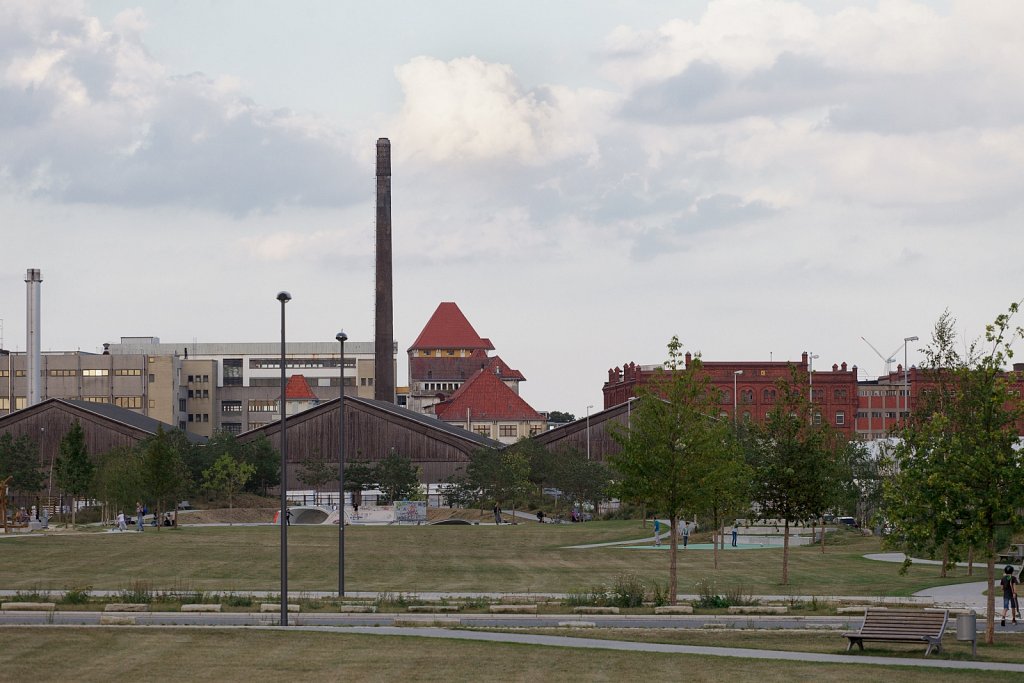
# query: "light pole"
x,y
588,431
284,298
810,382
906,383
341,337
629,415
735,374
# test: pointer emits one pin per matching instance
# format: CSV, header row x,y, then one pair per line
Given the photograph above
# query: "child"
x,y
1009,586
121,526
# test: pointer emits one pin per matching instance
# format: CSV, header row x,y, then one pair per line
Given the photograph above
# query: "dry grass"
x,y
110,654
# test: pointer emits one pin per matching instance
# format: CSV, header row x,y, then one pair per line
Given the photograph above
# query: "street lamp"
x,y
284,298
810,381
341,337
906,384
735,374
588,431
629,416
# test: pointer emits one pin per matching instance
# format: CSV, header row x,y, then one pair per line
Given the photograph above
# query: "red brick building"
x,y
834,392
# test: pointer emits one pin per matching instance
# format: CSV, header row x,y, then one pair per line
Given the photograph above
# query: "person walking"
x,y
657,532
138,516
686,533
735,530
1009,585
497,514
121,526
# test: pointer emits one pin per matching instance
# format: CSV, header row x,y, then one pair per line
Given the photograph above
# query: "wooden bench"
x,y
901,626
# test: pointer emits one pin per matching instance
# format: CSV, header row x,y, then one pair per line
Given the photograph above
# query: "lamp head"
x,y
910,339
737,372
341,336
284,297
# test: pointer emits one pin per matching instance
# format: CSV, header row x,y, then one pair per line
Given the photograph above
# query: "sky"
x,y
585,178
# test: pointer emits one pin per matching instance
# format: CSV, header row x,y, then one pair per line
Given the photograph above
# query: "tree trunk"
x,y
822,535
990,599
673,563
73,510
714,537
945,559
970,561
785,553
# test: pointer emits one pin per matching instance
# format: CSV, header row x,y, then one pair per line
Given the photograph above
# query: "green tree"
x,y
581,481
201,458
670,445
558,417
164,472
262,455
19,459
73,469
795,471
500,476
118,478
316,472
228,476
960,446
397,477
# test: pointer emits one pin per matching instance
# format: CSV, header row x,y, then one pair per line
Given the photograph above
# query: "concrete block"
x,y
276,607
513,609
126,607
117,620
28,606
674,609
596,610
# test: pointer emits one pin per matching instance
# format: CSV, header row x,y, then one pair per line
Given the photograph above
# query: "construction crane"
x,y
888,360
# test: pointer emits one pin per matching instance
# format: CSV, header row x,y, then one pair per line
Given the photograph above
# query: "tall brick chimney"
x,y
383,344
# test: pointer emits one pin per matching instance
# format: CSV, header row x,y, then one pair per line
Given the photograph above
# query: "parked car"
x,y
848,521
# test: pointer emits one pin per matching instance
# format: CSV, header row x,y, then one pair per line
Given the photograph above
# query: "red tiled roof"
x,y
501,368
298,389
485,397
449,329
450,368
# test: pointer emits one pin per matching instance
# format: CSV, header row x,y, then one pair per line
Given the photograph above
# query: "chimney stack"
x,y
383,345
34,281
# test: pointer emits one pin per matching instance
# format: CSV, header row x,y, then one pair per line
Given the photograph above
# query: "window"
x,y
190,417
840,418
451,352
508,430
191,394
769,395
19,373
535,430
232,372
818,394
152,377
206,417
4,373
181,425
746,416
181,405
152,404
230,406
128,401
817,418
20,402
96,399
191,378
63,373
839,393
5,403
747,396
232,427
726,396
262,406
95,373
128,372
483,430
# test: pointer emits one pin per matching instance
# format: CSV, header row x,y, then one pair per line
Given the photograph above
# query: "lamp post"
x,y
629,415
810,382
735,374
906,383
588,431
284,298
341,337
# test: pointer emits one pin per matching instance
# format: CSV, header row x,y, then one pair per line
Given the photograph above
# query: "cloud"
x,y
469,110
89,117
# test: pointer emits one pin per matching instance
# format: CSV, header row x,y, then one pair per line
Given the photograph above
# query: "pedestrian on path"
x,y
735,530
1009,585
685,532
139,511
497,514
657,532
121,526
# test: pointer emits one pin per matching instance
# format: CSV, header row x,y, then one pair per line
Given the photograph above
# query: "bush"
x,y
137,592
76,596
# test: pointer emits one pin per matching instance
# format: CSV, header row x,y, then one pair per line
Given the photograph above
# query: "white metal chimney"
x,y
34,280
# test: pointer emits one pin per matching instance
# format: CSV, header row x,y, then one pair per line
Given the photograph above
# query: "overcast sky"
x,y
584,178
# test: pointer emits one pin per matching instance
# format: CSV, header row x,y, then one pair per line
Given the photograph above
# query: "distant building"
x,y
199,388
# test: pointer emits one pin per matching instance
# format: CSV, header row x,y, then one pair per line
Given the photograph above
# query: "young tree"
x,y
499,476
262,455
960,448
580,480
397,477
673,440
118,478
316,472
74,469
19,459
163,468
795,472
228,476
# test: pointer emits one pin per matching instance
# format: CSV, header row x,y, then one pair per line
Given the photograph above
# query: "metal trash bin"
x,y
967,629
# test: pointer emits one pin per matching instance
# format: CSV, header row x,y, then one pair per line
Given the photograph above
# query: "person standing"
x,y
735,531
1009,585
497,514
138,516
686,533
657,532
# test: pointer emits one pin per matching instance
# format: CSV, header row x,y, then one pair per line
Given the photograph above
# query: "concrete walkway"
x,y
746,653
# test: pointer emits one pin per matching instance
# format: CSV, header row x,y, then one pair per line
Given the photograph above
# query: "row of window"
x,y
507,431
199,393
275,363
198,379
198,417
440,386
863,414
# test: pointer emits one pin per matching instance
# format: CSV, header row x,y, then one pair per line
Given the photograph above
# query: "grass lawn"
x,y
1008,647
98,654
527,557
